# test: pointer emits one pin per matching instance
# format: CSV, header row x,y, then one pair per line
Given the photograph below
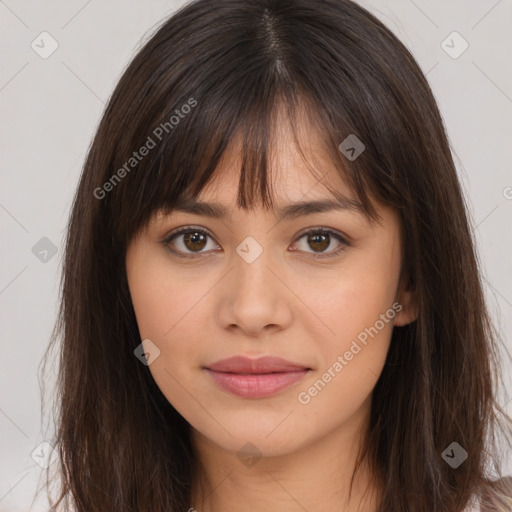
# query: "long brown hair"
x,y
214,70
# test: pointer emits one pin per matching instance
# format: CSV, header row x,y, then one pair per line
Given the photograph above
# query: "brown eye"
x,y
195,241
318,241
188,240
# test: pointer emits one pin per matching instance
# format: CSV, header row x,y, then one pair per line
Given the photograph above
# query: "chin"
x,y
254,433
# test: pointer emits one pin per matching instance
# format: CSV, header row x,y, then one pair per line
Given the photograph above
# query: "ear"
x,y
407,298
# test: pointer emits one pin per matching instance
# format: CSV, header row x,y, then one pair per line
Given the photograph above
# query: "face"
x,y
320,291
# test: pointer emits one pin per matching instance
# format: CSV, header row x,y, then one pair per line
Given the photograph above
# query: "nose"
x,y
254,297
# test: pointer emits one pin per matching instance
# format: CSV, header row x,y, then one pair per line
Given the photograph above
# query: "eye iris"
x,y
322,239
198,240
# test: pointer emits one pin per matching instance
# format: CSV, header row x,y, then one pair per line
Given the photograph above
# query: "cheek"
x,y
351,361
166,302
162,297
357,300
359,312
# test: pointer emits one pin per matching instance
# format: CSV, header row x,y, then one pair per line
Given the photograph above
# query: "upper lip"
x,y
265,364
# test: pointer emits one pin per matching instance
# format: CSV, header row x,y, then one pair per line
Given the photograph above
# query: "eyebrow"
x,y
287,212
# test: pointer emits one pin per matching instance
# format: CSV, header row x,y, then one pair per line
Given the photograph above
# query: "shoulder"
x,y
501,498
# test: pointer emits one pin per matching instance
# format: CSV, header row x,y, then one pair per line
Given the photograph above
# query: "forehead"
x,y
299,167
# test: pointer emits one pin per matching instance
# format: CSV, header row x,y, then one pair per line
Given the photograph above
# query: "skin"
x,y
285,303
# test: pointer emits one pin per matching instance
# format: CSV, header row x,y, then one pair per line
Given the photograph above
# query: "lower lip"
x,y
256,385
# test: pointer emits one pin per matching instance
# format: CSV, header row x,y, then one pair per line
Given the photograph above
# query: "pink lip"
x,y
255,378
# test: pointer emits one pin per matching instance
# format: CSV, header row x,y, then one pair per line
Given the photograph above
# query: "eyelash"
x,y
316,256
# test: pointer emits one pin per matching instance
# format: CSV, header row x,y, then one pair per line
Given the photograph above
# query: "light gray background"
x,y
50,109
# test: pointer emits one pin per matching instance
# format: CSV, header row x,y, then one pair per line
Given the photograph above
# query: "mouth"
x,y
255,378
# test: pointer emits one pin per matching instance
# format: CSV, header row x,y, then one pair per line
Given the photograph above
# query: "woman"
x,y
271,296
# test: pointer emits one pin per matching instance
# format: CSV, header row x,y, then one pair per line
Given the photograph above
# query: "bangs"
x,y
188,157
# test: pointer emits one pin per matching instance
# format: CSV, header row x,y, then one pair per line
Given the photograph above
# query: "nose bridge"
x,y
251,266
253,297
